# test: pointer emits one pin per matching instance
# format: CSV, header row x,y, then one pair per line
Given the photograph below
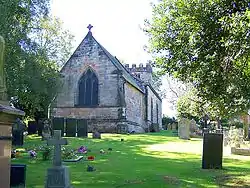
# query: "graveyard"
x,y
136,160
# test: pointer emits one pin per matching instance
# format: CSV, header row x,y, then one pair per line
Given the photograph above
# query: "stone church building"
x,y
111,96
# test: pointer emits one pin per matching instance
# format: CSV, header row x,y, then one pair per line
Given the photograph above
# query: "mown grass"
x,y
131,165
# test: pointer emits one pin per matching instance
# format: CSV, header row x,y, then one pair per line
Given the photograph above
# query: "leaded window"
x,y
88,89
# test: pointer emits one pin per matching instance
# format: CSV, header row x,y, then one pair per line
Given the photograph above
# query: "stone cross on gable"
x,y
90,27
57,141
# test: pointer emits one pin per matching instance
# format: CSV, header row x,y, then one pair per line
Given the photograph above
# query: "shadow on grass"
x,y
128,165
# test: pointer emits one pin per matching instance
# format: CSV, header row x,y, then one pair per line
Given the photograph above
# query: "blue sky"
x,y
117,26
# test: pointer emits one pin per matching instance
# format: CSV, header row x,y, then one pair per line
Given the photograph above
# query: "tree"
x,y
31,64
52,41
205,43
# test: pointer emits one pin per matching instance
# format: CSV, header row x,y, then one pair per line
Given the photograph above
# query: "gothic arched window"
x,y
88,89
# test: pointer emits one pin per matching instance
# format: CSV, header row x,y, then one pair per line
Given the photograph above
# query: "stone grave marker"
x,y
183,128
82,128
58,175
17,133
71,127
32,127
212,151
47,130
58,124
96,135
174,126
193,127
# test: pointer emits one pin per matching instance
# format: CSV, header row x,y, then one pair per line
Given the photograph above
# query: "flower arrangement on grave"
x,y
82,149
68,153
90,158
46,152
32,153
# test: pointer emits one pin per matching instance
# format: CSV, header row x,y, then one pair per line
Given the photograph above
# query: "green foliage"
x,y
46,152
166,120
135,157
206,43
36,46
68,153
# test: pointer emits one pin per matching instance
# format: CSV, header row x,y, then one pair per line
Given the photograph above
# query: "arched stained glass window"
x,y
88,89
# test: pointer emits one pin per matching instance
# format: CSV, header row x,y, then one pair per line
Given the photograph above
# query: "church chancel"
x,y
112,97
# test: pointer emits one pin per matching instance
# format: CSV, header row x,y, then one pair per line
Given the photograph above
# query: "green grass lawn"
x,y
131,164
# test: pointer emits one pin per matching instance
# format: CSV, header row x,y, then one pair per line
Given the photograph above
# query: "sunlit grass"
x,y
143,160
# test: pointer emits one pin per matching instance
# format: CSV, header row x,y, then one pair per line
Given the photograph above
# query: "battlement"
x,y
140,68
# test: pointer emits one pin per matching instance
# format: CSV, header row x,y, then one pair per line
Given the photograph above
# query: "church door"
x,y
88,89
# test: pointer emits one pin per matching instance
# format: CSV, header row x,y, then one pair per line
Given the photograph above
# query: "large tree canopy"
x,y
36,46
206,43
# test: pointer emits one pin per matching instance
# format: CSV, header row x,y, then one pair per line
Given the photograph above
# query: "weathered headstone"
x,y
122,128
17,133
58,175
212,151
96,135
183,128
193,126
174,126
47,130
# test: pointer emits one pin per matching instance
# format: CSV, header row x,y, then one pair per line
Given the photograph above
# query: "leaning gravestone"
x,y
212,151
58,175
183,128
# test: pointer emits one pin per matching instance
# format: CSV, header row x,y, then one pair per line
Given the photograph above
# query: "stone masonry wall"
x,y
88,54
135,105
155,100
87,113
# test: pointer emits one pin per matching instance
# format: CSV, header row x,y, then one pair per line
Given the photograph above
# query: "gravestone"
x,y
18,175
58,175
96,135
122,128
58,124
82,128
70,127
174,126
17,133
212,151
193,126
47,130
32,127
40,127
183,128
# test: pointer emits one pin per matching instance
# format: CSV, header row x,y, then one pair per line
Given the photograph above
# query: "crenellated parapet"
x,y
140,68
